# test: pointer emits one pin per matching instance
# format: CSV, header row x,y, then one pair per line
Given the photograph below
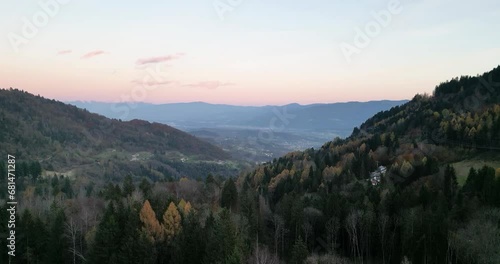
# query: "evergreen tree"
x,y
67,189
191,243
299,252
105,248
128,186
222,241
450,184
229,198
57,243
145,187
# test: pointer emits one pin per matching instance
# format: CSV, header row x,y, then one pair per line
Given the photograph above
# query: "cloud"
x,y
62,52
158,59
209,85
93,54
151,82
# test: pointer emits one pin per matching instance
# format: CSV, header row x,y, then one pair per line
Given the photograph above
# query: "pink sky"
x,y
183,52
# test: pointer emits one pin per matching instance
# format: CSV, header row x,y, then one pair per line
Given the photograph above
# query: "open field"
x,y
462,167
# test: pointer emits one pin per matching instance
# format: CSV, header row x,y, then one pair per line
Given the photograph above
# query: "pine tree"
x,y
67,189
222,241
450,184
299,252
145,187
25,240
229,197
192,241
107,238
128,186
58,246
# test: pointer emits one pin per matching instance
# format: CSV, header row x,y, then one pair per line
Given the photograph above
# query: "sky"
x,y
243,52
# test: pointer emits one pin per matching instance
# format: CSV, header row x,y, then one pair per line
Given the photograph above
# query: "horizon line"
x,y
229,104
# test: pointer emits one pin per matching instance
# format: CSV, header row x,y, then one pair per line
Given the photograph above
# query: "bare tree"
x,y
279,226
332,229
71,232
352,223
308,230
366,231
383,222
262,255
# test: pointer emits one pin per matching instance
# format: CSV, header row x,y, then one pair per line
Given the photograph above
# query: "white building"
x,y
376,176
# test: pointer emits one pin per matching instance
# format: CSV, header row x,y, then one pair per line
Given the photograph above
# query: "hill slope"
x,y
64,137
387,192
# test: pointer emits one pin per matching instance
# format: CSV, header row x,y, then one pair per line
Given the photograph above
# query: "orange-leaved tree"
x,y
152,227
171,221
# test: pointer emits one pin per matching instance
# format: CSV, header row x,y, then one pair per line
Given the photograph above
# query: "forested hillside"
x,y
332,200
66,139
386,194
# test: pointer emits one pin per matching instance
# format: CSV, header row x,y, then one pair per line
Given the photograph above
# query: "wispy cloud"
x,y
93,54
159,59
62,52
151,82
209,85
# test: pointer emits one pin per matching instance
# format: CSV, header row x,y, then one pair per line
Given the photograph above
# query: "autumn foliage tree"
x,y
152,227
171,221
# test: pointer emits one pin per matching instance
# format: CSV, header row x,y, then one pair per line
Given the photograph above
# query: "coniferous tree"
x,y
128,186
58,245
299,252
191,243
105,248
223,244
145,187
229,196
450,184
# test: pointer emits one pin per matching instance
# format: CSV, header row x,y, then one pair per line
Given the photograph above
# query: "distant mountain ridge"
x,y
341,117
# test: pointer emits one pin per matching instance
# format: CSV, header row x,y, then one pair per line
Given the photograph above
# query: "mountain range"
x,y
340,118
250,133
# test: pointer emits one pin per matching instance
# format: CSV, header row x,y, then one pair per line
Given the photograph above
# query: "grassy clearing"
x,y
462,167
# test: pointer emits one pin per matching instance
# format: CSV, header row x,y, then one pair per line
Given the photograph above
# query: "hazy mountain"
x,y
339,117
63,137
249,133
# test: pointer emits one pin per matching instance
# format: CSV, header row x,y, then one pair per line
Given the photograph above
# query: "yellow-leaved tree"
x,y
152,227
171,221
181,205
187,208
